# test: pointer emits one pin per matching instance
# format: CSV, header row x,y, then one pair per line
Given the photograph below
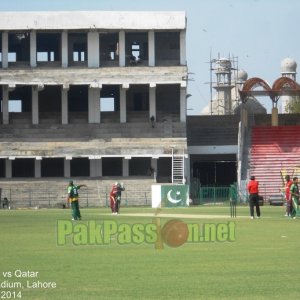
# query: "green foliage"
x,y
294,105
261,264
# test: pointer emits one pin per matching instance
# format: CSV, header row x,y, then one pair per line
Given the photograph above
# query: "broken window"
x,y
109,49
78,52
136,48
110,103
19,47
77,45
20,99
48,47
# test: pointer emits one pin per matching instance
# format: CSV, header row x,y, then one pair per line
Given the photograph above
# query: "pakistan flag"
x,y
175,195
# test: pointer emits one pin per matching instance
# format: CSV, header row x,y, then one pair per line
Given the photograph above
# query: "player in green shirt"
x,y
73,199
294,191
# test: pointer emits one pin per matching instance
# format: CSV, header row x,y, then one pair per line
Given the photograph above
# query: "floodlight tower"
x,y
288,68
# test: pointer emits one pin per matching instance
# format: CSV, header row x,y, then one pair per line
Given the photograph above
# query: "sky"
x,y
259,34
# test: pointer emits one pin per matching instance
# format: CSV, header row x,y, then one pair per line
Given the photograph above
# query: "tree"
x,y
293,105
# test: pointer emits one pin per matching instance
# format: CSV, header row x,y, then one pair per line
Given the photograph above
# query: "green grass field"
x,y
261,263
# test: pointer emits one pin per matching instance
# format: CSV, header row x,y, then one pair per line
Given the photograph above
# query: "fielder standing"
x,y
73,199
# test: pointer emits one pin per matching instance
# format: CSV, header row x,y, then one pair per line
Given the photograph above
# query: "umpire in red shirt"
x,y
253,197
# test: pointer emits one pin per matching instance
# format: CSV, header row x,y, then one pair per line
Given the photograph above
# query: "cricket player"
x,y
115,197
73,199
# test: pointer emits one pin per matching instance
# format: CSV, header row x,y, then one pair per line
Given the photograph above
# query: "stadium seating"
x,y
275,151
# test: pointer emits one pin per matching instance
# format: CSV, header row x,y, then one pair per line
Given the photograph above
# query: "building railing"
x,y
201,195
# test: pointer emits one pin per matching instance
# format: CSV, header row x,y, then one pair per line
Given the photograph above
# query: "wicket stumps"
x,y
232,208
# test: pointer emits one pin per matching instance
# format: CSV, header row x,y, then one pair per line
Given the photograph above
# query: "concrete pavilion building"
x,y
93,94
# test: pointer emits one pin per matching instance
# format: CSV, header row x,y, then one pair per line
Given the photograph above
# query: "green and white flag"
x,y
175,195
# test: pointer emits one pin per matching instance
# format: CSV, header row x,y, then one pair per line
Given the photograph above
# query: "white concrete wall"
x,y
92,20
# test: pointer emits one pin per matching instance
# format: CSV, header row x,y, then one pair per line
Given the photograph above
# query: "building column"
x,y
35,103
152,101
123,114
5,96
183,104
187,169
95,167
94,104
4,49
64,104
182,47
64,49
37,167
122,58
8,168
274,116
93,49
244,117
67,167
151,48
125,169
154,166
33,53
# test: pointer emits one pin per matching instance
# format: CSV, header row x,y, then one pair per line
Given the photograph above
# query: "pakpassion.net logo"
x,y
173,233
